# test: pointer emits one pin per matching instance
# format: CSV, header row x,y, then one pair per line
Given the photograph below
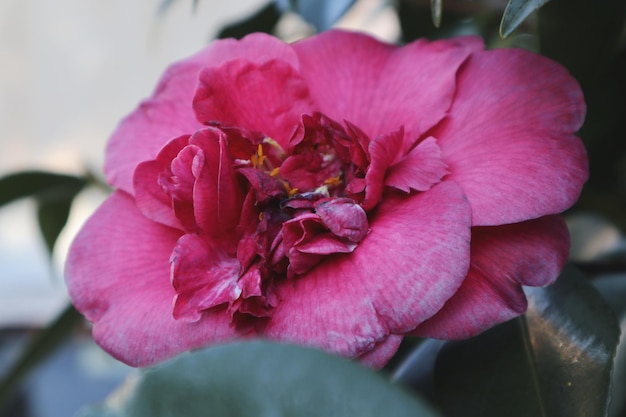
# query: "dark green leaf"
x,y
516,12
555,361
613,288
262,379
37,184
42,345
52,216
573,335
435,8
320,13
263,20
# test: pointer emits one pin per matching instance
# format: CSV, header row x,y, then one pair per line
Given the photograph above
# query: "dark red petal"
x,y
203,276
217,194
268,97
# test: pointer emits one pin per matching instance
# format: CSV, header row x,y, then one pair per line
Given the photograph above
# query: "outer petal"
x,y
503,259
508,140
380,87
414,259
118,275
168,113
380,355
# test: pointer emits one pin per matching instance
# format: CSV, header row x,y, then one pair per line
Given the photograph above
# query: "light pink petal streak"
x,y
414,259
508,140
128,295
380,87
504,258
168,113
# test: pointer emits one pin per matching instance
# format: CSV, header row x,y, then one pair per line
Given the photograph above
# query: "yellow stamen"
x,y
275,145
274,172
333,180
290,191
259,152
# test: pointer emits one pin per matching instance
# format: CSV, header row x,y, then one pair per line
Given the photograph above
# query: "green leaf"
x,y
436,10
555,361
37,184
613,288
516,12
41,346
52,216
262,379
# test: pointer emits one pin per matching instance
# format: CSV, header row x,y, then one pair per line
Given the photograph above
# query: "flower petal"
x,y
508,140
168,113
151,198
118,276
415,258
269,97
203,276
504,258
419,169
217,195
379,356
380,87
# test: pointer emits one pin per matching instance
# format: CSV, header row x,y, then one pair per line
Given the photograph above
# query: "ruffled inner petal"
x,y
203,276
270,97
169,113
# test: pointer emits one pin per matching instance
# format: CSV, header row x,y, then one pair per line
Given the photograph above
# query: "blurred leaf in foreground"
x,y
262,379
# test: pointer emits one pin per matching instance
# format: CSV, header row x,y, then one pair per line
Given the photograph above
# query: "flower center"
x,y
256,213
304,212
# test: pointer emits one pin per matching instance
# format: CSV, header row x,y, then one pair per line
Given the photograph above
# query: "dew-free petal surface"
x,y
413,260
380,87
168,112
504,258
128,295
508,139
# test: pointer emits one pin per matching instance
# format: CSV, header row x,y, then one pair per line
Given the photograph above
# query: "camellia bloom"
x,y
337,192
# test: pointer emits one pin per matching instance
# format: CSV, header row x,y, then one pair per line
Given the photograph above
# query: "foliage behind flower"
x,y
337,192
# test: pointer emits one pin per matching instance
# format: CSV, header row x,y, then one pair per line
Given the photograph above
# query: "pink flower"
x,y
338,192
